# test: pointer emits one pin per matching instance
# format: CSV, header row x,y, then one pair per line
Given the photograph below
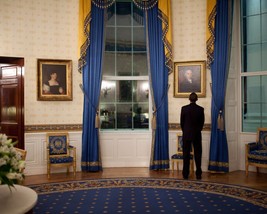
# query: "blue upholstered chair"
x,y
59,152
178,156
256,152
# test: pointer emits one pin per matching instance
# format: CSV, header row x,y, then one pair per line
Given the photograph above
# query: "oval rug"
x,y
147,195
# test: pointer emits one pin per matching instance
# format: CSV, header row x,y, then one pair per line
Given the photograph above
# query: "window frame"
x,y
130,78
252,73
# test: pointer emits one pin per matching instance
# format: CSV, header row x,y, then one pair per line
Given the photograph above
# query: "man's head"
x,y
193,97
188,74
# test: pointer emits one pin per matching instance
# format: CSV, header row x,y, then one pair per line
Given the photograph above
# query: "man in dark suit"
x,y
192,121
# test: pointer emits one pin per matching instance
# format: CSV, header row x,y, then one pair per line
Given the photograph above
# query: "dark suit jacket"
x,y
192,121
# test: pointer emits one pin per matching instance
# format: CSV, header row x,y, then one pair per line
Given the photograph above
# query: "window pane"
x,y
109,64
252,58
264,89
123,13
124,39
264,115
252,30
251,117
139,64
251,7
251,87
110,15
140,91
110,39
254,97
264,56
263,6
138,16
124,116
139,39
124,64
140,116
107,116
264,28
124,91
107,91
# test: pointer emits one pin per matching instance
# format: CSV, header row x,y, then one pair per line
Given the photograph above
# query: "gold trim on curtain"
x,y
210,30
165,10
219,164
84,30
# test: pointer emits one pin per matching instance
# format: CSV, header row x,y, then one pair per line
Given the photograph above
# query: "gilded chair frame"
x,y
179,151
70,151
23,154
247,151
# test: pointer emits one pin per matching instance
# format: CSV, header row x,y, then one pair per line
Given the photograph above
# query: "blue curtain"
x,y
92,73
218,160
159,79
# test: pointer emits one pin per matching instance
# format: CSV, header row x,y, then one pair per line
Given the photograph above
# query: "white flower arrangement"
x,y
11,165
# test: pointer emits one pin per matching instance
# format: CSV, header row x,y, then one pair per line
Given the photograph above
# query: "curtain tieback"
x,y
97,120
154,121
154,118
220,121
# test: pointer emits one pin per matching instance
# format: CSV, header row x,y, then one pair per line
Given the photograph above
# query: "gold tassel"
x,y
154,122
220,121
97,121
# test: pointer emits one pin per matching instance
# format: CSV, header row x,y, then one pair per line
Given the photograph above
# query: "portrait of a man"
x,y
189,80
189,77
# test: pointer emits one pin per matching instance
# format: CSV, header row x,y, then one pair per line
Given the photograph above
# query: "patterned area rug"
x,y
147,195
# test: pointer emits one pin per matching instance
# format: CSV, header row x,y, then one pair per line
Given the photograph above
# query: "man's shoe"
x,y
199,177
185,177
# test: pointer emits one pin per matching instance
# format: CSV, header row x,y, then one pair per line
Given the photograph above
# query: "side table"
x,y
19,200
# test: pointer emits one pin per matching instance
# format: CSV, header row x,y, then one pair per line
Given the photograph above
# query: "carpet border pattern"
x,y
250,195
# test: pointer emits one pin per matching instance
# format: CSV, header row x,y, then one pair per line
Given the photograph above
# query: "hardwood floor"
x,y
253,180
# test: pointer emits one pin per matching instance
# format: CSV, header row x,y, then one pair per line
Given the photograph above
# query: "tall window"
x,y
254,64
124,99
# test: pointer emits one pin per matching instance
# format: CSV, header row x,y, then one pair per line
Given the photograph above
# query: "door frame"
x,y
18,61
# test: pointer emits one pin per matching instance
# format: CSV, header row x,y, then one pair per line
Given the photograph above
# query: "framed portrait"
x,y
189,77
54,80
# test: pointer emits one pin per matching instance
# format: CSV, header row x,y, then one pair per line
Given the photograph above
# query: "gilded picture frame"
x,y
189,76
54,78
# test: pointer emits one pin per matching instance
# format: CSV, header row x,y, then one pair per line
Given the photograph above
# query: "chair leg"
x,y
48,171
246,158
246,163
74,170
177,166
172,166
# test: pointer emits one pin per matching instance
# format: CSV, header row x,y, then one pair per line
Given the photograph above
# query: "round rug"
x,y
147,195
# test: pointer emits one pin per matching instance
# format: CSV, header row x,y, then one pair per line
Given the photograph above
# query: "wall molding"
x,y
53,127
78,127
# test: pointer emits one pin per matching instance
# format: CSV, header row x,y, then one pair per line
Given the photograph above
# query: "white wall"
x,y
189,44
117,150
47,29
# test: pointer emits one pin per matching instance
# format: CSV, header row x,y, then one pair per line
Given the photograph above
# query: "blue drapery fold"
x,y
159,80
218,160
92,75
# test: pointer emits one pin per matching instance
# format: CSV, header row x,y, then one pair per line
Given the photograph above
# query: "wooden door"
x,y
12,103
